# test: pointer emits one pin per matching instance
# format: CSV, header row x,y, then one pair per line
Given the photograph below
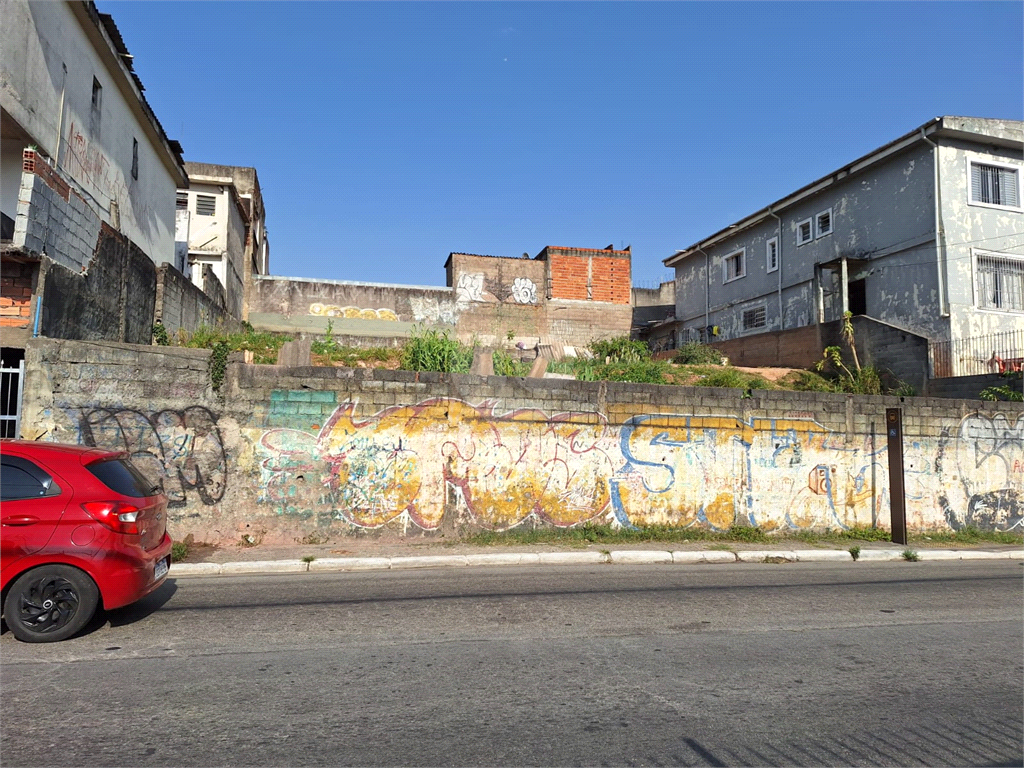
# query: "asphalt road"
x,y
747,664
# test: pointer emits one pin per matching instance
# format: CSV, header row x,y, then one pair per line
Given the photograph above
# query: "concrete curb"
x,y
619,557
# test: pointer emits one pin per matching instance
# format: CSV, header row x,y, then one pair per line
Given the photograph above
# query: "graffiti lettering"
x,y
183,449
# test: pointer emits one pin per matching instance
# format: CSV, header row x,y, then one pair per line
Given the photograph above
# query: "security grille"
x,y
1000,283
12,381
754,318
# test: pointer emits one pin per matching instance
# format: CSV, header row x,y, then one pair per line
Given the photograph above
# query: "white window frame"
x,y
742,253
754,308
768,254
817,223
975,159
810,230
975,253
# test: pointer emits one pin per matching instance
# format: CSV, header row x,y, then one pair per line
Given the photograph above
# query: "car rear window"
x,y
121,476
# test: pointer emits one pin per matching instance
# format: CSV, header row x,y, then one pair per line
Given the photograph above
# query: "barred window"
x,y
754,318
1000,283
181,201
995,185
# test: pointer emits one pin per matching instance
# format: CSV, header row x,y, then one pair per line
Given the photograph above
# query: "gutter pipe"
x,y
778,266
940,235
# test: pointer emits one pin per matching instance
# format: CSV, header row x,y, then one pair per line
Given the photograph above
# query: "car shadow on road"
x,y
137,611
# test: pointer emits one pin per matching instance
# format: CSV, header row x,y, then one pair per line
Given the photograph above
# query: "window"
x,y
24,479
772,254
754,318
123,477
997,185
96,108
823,223
135,158
734,266
804,232
181,201
1000,282
206,205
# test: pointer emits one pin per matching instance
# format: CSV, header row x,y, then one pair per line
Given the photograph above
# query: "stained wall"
x,y
279,454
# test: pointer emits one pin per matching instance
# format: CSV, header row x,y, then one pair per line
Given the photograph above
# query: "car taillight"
x,y
115,515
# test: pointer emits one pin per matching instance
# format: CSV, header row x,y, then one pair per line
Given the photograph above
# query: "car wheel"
x,y
50,603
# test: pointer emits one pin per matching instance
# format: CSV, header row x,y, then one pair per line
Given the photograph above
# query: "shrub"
x,y
695,353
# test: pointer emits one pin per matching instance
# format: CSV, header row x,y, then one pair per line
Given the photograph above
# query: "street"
x,y
747,664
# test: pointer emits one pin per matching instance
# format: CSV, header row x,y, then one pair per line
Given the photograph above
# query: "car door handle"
x,y
20,520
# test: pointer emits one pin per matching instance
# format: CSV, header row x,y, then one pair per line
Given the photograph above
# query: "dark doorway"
x,y
858,293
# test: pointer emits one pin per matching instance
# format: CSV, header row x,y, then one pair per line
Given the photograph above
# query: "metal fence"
x,y
12,381
995,353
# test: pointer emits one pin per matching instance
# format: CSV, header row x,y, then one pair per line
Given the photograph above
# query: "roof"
x,y
1005,133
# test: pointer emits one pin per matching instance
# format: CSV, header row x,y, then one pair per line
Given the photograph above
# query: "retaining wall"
x,y
280,454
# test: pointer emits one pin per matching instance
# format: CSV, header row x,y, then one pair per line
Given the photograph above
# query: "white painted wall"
x,y
39,40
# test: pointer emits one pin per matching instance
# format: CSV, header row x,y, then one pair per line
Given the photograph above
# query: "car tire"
x,y
50,603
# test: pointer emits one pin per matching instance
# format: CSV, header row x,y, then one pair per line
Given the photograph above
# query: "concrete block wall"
x,y
181,304
280,453
113,300
52,217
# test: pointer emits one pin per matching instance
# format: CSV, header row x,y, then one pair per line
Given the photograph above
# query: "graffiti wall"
x,y
290,452
413,464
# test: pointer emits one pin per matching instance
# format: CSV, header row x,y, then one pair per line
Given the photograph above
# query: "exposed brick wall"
x,y
586,274
16,285
33,163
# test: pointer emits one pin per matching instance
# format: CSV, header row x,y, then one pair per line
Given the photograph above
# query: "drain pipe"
x,y
39,307
707,294
940,235
778,265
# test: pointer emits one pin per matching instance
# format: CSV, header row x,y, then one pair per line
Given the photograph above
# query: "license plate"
x,y
161,569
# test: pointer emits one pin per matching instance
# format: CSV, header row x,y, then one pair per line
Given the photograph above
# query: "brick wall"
x,y
586,274
16,285
281,453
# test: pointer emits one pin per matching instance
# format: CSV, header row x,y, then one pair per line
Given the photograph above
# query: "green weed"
x,y
695,353
621,349
910,555
854,551
504,365
179,551
431,350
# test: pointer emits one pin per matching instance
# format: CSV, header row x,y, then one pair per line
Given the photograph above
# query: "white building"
x,y
68,90
221,223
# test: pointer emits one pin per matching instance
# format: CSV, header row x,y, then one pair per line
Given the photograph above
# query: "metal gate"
x,y
12,381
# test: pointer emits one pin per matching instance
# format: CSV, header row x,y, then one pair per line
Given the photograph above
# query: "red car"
x,y
80,528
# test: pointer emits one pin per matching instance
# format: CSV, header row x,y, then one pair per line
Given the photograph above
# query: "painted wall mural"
x,y
182,448
333,310
412,465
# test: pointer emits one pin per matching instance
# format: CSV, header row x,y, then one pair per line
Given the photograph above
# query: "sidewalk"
x,y
365,554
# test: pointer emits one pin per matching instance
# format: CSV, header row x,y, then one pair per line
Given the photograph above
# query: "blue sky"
x,y
387,135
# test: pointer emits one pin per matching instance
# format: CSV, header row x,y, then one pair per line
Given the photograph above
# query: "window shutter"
x,y
1008,192
976,191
